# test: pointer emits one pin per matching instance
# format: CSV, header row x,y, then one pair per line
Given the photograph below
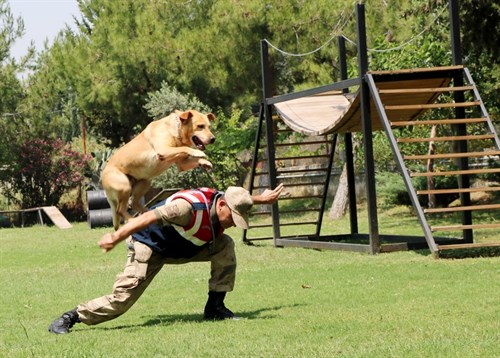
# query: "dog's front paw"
x,y
196,153
205,164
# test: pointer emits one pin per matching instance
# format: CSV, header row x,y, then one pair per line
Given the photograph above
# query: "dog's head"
x,y
194,130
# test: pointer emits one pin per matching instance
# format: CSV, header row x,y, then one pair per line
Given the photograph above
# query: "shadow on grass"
x,y
164,320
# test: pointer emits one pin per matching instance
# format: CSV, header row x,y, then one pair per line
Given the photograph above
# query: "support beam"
x,y
366,125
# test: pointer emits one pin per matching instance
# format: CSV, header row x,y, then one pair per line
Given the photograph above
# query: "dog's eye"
x,y
201,126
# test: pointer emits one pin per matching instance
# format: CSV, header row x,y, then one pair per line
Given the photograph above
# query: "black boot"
x,y
215,309
65,322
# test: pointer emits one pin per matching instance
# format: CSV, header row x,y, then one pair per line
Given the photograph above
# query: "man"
x,y
186,227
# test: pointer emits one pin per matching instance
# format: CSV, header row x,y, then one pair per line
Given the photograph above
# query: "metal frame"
x,y
367,90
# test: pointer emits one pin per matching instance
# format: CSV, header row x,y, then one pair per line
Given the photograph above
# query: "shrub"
x,y
42,170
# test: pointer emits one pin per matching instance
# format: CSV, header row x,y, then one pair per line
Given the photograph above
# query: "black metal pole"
x,y
460,129
266,87
327,182
258,134
351,182
366,125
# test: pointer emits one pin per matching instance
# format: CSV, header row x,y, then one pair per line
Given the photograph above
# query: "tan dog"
x,y
162,143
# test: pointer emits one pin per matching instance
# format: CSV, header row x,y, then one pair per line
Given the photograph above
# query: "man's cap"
x,y
239,202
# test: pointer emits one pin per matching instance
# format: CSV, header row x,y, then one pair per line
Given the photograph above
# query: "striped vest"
x,y
183,241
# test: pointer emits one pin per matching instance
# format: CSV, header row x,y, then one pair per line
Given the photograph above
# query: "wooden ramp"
x,y
335,112
56,217
51,212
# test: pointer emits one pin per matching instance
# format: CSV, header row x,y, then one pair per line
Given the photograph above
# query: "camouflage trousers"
x,y
142,266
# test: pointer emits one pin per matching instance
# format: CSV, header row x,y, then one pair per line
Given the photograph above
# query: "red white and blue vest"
x,y
184,241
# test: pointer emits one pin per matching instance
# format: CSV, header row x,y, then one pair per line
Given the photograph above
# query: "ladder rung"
x,y
464,227
290,171
425,90
300,223
286,211
449,138
457,190
305,184
462,208
432,105
305,157
456,172
438,121
301,197
451,155
284,224
299,143
468,246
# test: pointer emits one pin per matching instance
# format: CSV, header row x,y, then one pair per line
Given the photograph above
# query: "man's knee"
x,y
224,243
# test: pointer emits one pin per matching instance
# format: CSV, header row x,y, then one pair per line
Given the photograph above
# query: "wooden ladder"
x,y
437,140
303,164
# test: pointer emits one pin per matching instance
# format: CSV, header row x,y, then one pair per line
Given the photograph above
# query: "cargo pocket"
x,y
142,255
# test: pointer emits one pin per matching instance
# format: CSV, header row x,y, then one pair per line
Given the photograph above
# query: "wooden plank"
x,y
456,172
56,217
402,246
438,122
468,246
458,190
448,138
462,208
464,227
417,70
451,155
432,105
425,90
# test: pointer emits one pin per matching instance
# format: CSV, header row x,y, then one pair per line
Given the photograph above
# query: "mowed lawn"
x,y
294,302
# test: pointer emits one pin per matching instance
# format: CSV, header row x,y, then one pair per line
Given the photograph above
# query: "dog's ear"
x,y
184,116
211,117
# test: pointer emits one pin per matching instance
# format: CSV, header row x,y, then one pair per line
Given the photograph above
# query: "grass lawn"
x,y
294,303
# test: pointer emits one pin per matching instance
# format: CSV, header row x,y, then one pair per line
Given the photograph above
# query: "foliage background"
x,y
107,72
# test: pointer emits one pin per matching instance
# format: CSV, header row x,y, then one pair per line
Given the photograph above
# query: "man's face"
x,y
224,214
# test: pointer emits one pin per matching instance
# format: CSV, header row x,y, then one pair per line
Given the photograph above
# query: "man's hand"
x,y
268,196
107,242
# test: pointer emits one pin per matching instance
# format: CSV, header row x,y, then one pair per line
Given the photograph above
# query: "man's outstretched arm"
x,y
268,196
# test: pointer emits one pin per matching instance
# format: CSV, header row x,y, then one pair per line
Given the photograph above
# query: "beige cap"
x,y
240,202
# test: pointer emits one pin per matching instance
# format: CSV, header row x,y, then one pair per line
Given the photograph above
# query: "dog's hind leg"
x,y
118,189
139,189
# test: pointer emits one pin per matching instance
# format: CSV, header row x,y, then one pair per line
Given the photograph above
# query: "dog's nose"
x,y
212,140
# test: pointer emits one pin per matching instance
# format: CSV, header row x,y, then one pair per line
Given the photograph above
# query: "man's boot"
x,y
215,309
65,322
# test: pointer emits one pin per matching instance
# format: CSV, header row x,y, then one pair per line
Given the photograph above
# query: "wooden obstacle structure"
x,y
51,212
386,101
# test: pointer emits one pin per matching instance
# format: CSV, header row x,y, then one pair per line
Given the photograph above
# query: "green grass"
x,y
294,303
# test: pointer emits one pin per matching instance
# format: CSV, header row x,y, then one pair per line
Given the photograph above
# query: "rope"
x,y
336,31
427,28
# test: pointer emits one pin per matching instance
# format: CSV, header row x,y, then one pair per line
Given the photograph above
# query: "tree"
x,y
11,90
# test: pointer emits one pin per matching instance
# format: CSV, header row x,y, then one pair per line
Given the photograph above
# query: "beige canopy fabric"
x,y
334,112
314,115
